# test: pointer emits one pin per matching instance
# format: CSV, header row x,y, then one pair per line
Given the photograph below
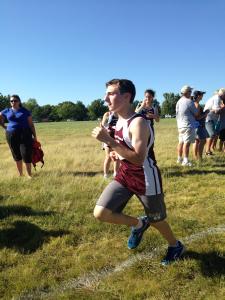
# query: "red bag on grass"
x,y
37,154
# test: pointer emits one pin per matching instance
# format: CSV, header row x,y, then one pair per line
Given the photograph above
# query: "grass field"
x,y
51,247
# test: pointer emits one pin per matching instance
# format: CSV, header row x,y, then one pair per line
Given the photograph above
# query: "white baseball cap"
x,y
185,89
221,92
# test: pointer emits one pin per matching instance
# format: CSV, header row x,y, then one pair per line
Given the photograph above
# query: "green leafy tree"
x,y
157,104
46,111
4,102
36,114
54,116
81,112
96,109
31,104
169,103
34,108
66,110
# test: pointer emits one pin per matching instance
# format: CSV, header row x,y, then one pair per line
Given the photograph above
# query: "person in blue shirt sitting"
x,y
20,132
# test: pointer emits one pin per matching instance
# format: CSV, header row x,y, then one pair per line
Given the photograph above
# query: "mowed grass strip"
x,y
48,234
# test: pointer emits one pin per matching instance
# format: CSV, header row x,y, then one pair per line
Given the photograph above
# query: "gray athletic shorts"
x,y
115,197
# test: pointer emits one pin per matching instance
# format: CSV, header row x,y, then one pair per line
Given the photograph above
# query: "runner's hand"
x,y
101,134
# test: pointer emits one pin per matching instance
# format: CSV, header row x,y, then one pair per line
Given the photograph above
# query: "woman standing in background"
x,y
200,130
147,108
19,132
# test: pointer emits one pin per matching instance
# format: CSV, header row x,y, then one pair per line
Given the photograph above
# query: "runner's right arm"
x,y
139,132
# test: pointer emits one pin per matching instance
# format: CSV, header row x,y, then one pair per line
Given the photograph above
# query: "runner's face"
x,y
114,99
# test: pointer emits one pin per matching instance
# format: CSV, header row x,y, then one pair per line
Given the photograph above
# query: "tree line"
x,y
77,111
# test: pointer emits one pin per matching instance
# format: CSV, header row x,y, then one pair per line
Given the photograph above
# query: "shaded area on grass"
x,y
73,173
20,210
212,263
218,165
89,174
202,172
26,237
5,197
176,172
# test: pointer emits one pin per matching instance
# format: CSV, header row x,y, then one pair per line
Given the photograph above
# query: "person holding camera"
x,y
147,108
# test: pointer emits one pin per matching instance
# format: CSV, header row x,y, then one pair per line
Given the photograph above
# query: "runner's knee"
x,y
101,213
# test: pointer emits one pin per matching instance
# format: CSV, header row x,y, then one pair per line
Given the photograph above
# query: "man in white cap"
x,y
214,105
186,112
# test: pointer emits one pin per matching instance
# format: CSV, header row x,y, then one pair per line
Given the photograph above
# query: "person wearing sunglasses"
x,y
20,132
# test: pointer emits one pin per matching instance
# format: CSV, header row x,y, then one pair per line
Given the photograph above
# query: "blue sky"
x,y
58,50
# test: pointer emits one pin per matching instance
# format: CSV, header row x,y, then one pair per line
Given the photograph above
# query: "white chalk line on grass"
x,y
91,279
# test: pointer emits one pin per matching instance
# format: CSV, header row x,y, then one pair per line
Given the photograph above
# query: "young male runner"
x,y
138,173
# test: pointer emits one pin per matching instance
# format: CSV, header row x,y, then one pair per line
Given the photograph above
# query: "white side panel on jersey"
x,y
152,179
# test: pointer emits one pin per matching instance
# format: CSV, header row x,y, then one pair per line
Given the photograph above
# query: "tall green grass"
x,y
48,235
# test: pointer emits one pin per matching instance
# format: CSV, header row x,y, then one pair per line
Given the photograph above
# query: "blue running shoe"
x,y
173,254
136,234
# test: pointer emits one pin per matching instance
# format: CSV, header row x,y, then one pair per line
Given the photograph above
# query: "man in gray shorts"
x,y
138,173
186,112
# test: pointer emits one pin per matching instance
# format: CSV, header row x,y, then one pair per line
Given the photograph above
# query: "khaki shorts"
x,y
115,197
186,135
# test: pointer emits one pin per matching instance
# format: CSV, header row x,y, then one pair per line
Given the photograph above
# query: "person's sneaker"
x,y
106,176
173,254
136,234
179,160
186,163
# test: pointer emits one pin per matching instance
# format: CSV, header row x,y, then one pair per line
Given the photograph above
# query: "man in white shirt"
x,y
214,105
185,114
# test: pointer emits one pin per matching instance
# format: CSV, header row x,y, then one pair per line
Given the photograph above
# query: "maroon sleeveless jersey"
x,y
144,179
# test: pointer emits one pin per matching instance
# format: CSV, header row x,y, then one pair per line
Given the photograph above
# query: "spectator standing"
x,y
214,105
147,108
222,128
186,112
201,133
19,132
